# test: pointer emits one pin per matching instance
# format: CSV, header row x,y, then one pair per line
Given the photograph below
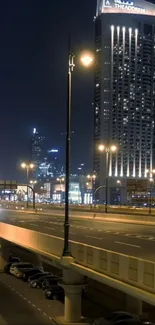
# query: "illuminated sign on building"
x,y
125,6
53,151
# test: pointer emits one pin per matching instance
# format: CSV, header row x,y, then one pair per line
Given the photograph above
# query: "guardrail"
x,y
129,274
115,209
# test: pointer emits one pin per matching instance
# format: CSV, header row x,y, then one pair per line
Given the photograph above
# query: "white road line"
x,y
72,233
93,237
126,244
33,224
49,228
34,305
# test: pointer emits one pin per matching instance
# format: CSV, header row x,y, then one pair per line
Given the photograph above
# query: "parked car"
x,y
121,315
129,321
15,267
31,272
38,282
47,283
8,265
37,276
116,318
55,293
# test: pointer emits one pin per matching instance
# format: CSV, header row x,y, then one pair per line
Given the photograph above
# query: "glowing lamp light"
x,y
113,148
23,165
101,147
87,60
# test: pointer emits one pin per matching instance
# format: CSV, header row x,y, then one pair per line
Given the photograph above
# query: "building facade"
x,y
124,87
38,149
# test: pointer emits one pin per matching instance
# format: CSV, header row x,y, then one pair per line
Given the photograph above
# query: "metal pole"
x,y
106,181
66,250
150,200
34,203
27,172
60,191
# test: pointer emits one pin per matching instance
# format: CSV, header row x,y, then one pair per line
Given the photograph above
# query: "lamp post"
x,y
85,60
27,167
151,172
107,150
60,180
92,179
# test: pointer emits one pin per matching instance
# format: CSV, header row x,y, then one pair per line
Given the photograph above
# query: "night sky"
x,y
33,74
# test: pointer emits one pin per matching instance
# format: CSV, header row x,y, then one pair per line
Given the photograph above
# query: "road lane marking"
x,y
33,224
126,244
93,237
72,233
49,228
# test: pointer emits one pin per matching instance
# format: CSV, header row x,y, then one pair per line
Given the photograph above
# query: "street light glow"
x,y
113,148
31,166
101,147
87,60
23,165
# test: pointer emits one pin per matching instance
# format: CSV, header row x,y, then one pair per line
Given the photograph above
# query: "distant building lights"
x,y
34,131
53,151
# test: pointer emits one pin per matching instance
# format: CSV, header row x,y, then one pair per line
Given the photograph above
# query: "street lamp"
x,y
27,167
33,182
107,150
71,65
60,180
92,180
151,172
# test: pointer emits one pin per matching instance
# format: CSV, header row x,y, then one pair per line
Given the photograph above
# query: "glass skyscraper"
x,y
124,102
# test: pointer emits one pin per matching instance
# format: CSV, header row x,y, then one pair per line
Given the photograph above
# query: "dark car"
x,y
30,272
117,317
8,265
37,276
129,321
55,293
47,283
121,315
38,282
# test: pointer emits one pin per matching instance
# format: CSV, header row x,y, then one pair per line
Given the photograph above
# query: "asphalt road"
x,y
130,239
16,307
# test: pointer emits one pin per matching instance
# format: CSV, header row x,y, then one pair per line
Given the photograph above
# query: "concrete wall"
x,y
133,276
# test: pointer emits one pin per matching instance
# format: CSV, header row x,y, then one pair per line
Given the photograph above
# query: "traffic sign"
x,y
8,185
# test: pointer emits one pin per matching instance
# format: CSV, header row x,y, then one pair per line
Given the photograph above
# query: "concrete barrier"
x,y
123,272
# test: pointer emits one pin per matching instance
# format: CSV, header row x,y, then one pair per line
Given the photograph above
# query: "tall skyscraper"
x,y
38,150
124,101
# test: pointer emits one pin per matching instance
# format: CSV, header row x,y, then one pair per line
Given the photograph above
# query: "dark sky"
x,y
33,67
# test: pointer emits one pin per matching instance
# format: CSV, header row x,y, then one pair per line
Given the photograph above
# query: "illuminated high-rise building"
x,y
124,100
38,150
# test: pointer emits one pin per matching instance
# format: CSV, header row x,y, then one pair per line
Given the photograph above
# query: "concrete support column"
x,y
72,283
133,305
72,312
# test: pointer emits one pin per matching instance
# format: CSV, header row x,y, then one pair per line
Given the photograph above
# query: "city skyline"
x,y
33,74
